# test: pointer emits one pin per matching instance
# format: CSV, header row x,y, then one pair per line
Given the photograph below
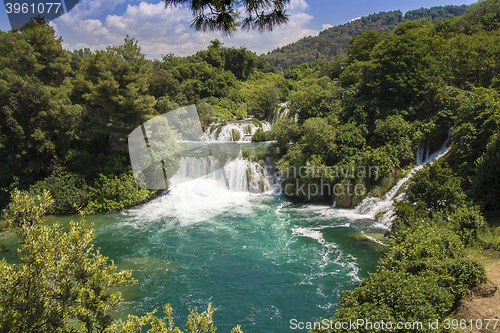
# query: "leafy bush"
x,y
431,249
68,189
260,135
60,279
437,188
115,193
395,297
235,135
468,222
485,187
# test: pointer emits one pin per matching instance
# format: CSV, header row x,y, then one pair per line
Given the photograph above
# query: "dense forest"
x,y
65,116
333,42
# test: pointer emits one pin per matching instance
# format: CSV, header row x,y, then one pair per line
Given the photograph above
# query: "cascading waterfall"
x,y
371,207
246,130
279,113
237,174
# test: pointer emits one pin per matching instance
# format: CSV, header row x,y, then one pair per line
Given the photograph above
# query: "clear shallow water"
x,y
260,260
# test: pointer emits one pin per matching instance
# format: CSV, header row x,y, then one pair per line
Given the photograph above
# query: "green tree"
x,y
436,187
485,187
53,61
60,277
266,102
113,86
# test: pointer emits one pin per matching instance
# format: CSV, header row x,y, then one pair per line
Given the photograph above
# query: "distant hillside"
x,y
335,40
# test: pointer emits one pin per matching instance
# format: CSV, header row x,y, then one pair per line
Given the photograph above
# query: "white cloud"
x,y
326,26
354,19
161,30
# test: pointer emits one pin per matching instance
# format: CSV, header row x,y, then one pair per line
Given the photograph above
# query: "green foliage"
x,y
260,135
437,188
427,249
477,120
485,187
235,135
69,191
468,223
165,105
332,42
396,297
110,193
284,131
196,323
266,102
60,280
316,98
113,86
435,12
489,239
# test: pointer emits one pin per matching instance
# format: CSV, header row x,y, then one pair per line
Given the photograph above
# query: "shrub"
x,y
68,189
115,193
260,135
430,249
395,297
235,135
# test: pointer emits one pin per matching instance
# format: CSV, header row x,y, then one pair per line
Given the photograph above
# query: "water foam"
x,y
225,132
369,208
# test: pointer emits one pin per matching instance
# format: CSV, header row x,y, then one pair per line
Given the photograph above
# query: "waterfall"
x,y
279,113
370,207
245,129
238,174
422,149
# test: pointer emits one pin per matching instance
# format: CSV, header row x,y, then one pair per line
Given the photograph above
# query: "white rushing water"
x,y
246,129
279,113
370,207
239,174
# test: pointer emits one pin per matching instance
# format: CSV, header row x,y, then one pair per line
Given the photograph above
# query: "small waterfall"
x,y
238,174
372,206
279,113
422,149
245,129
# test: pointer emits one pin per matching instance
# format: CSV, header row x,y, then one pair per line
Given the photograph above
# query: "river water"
x,y
261,260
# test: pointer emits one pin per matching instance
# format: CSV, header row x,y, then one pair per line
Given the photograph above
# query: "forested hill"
x,y
335,40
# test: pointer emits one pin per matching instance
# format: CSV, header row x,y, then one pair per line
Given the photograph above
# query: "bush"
x,y
235,135
485,185
115,193
260,135
68,189
468,222
395,297
437,188
217,132
245,154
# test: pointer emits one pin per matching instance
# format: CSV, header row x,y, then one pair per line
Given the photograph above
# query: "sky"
x,y
160,31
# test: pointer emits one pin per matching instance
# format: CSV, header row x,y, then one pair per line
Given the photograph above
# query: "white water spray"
x,y
371,207
225,133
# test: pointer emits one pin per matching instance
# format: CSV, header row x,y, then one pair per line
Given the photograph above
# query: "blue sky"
x,y
98,23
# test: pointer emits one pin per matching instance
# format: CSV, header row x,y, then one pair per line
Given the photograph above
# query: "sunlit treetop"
x,y
227,16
